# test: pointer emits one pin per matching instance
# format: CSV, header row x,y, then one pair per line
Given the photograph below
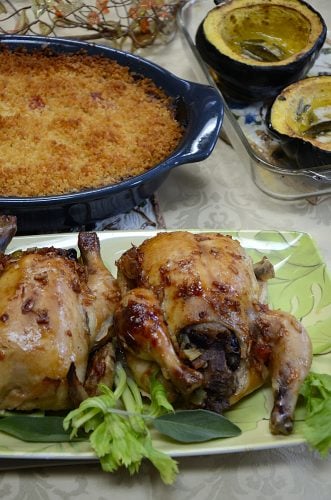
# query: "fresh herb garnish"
x,y
118,425
118,421
31,428
316,391
193,426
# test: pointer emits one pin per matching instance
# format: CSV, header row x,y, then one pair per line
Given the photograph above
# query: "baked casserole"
x,y
70,122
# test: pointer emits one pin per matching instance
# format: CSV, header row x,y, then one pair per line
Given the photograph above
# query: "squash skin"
x,y
248,82
306,153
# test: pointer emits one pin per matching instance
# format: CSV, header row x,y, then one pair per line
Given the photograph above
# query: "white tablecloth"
x,y
217,193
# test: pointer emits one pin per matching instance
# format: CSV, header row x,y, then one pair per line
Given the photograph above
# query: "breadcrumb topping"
x,y
71,122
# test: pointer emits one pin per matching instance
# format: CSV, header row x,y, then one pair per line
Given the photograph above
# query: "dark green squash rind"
x,y
304,154
249,83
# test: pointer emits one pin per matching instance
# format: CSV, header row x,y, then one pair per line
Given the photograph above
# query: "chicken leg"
x,y
290,363
141,329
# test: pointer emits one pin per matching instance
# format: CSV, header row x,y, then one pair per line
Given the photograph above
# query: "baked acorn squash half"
x,y
255,48
300,118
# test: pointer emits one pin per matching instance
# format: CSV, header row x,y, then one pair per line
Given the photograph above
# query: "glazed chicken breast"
x,y
56,317
194,307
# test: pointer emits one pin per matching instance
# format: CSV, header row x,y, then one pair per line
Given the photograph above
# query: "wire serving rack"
x,y
124,23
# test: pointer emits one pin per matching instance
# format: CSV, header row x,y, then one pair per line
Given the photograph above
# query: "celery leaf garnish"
x,y
117,424
316,391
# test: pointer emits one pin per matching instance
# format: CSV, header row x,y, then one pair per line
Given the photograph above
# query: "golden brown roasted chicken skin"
x,y
194,306
54,312
190,306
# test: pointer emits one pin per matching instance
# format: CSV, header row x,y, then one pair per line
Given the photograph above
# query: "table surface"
x,y
217,193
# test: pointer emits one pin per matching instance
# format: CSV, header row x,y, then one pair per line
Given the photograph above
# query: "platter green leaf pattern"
x,y
302,286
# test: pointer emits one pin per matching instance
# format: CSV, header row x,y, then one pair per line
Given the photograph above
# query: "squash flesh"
x,y
303,110
278,27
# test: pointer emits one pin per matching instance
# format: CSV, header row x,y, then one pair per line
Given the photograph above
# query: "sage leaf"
x,y
39,429
192,426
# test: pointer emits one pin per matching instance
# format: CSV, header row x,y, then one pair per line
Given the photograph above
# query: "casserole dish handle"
x,y
205,111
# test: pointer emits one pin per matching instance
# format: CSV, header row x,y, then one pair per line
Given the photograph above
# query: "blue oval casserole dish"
x,y
199,108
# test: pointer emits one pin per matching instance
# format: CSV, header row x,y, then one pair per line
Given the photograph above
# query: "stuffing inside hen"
x,y
194,306
56,316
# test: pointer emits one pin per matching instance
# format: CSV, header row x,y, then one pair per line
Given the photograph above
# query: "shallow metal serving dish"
x,y
198,107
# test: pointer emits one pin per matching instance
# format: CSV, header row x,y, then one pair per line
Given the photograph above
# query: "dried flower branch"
x,y
137,22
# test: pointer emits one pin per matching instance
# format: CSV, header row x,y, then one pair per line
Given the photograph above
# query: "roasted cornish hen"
x,y
56,316
190,308
194,306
